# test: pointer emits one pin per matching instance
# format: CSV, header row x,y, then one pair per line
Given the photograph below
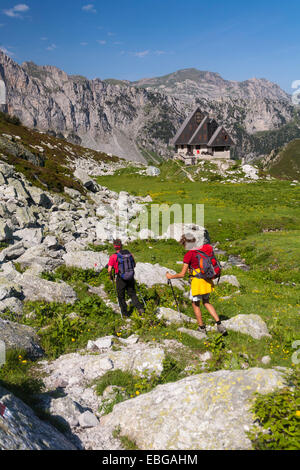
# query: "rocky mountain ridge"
x,y
191,83
136,121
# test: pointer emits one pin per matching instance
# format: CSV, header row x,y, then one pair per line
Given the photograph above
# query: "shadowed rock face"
x,y
20,429
125,117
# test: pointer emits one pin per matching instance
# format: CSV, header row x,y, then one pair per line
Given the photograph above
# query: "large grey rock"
x,y
40,198
85,179
17,336
88,420
29,236
9,289
151,274
64,410
13,305
230,279
105,342
249,324
173,316
5,231
25,217
48,259
12,252
23,430
209,411
36,288
175,231
78,369
86,259
152,171
195,333
19,187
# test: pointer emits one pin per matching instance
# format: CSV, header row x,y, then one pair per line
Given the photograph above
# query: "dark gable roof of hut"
x,y
199,129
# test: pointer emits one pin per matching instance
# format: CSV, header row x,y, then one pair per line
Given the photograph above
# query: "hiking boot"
x,y
202,330
221,329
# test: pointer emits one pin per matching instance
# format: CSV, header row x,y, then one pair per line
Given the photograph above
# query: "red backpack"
x,y
210,267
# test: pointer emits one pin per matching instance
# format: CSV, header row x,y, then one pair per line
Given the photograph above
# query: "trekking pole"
x,y
175,298
115,288
141,295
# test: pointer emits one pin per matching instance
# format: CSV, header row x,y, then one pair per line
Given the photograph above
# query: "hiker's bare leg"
x,y
210,308
197,313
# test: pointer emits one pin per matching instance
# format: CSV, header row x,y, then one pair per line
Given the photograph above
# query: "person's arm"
x,y
179,275
110,266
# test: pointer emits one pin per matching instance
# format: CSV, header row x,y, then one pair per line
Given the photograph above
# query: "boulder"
x,y
17,336
86,259
250,324
250,172
64,409
12,252
152,171
25,217
40,255
20,190
176,231
6,231
209,411
101,343
194,333
88,420
172,316
36,288
40,198
9,289
21,429
77,369
13,305
230,279
87,182
29,236
151,274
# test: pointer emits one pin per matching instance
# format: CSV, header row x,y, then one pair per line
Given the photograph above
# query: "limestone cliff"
x,y
137,120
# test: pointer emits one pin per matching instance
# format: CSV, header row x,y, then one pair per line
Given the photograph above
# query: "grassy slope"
x,y
55,174
287,166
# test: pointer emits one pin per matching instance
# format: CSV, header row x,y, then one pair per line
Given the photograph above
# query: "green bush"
x,y
278,416
17,376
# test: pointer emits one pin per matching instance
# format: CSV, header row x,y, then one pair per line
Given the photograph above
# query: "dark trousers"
x,y
122,287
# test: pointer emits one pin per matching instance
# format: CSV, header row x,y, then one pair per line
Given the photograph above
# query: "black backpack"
x,y
126,265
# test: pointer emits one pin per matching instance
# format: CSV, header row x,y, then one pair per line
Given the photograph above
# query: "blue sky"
x,y
135,39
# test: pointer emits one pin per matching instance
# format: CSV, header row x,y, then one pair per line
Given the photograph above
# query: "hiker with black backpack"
x,y
122,265
203,268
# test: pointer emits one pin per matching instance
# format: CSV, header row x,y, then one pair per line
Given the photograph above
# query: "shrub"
x,y
278,415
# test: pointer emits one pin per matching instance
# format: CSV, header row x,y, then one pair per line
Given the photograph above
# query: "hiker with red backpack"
x,y
203,268
123,264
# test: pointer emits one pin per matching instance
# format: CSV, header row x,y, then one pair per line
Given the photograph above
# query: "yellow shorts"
x,y
200,286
